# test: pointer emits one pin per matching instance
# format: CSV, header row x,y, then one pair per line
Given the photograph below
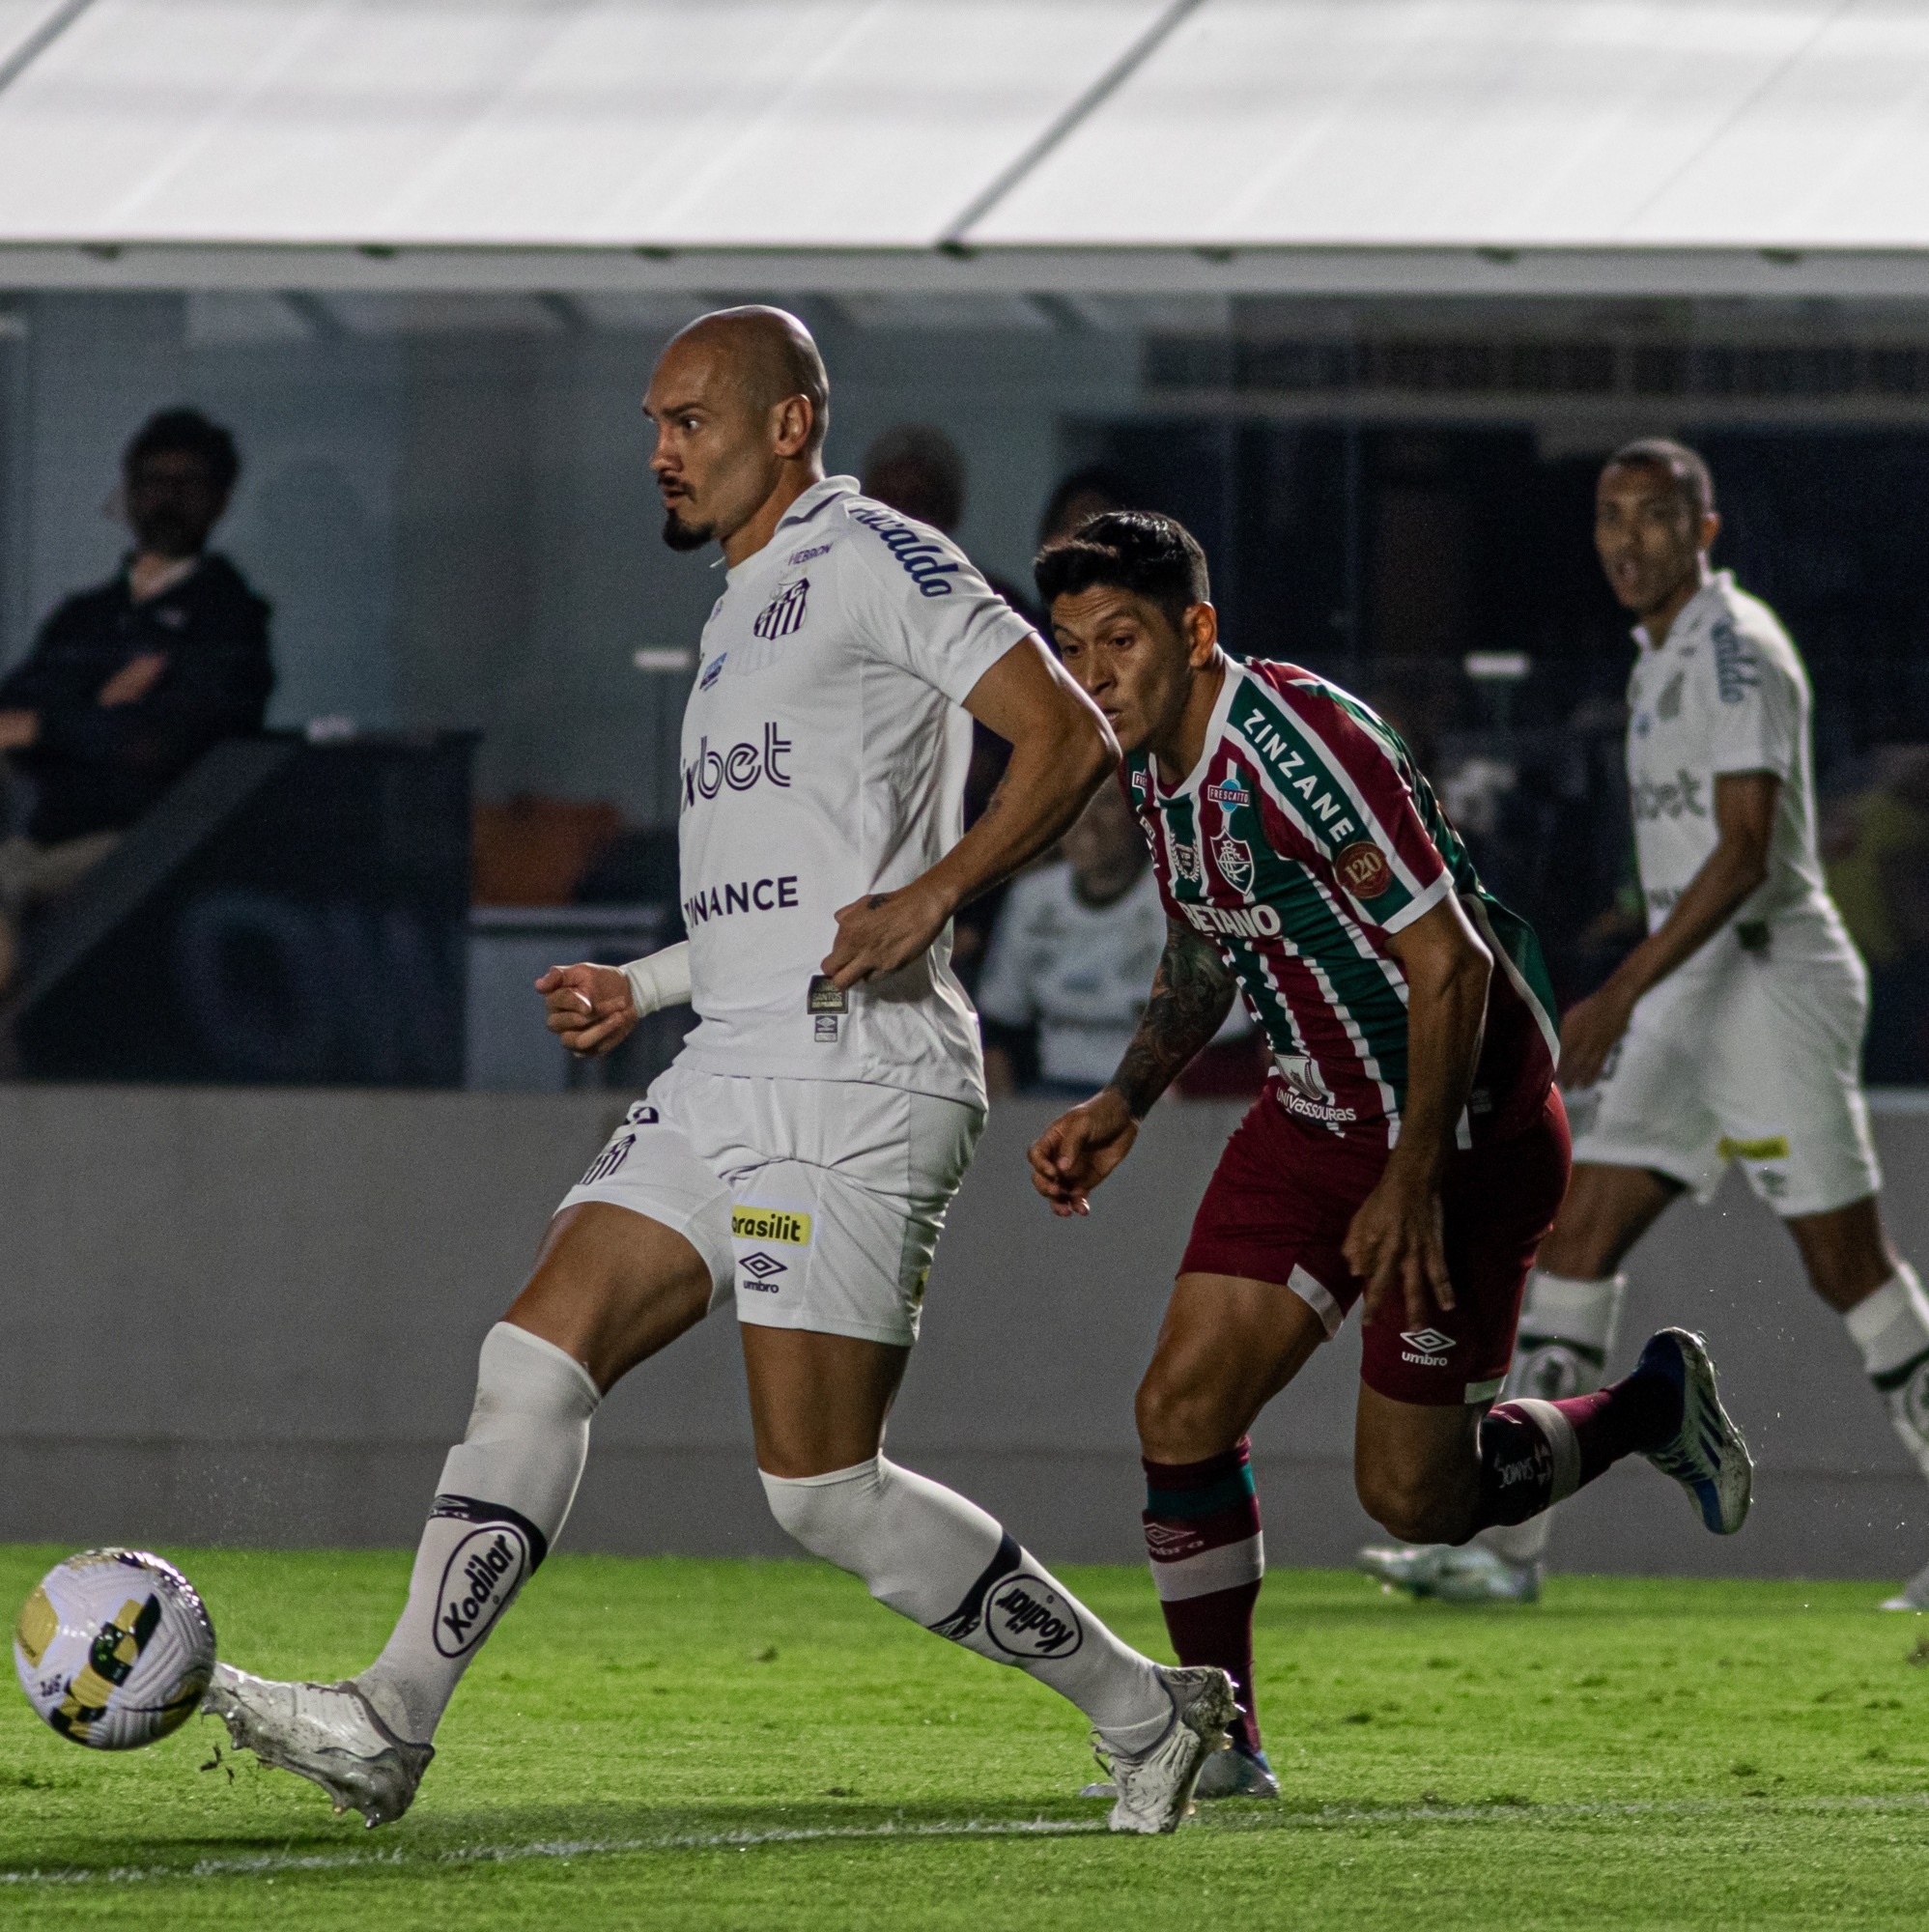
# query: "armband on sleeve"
x,y
662,979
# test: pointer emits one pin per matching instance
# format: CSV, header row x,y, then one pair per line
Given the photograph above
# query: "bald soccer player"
x,y
800,1154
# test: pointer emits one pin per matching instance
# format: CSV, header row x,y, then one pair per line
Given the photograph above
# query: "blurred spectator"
x,y
1072,964
1073,958
130,683
918,471
1082,495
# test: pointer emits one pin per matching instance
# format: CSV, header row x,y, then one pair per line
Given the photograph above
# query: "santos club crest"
x,y
784,613
1234,859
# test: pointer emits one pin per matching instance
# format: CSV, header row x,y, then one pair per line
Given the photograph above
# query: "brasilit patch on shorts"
x,y
1771,1147
785,1226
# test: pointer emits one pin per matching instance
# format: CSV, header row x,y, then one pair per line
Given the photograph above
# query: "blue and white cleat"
x,y
1236,1773
1707,1455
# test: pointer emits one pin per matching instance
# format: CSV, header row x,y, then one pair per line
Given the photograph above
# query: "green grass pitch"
x,y
672,1742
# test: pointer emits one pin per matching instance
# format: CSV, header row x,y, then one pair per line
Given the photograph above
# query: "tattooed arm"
x,y
1192,993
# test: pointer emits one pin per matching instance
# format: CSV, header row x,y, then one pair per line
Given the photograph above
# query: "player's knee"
x,y
831,1516
1179,1420
1409,1503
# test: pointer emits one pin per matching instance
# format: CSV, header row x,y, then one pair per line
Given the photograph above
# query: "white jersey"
x,y
824,757
1082,972
1725,692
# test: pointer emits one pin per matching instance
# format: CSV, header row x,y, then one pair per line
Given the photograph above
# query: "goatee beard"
x,y
679,535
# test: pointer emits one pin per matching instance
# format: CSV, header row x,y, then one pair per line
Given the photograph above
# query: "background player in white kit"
x,y
1734,1031
803,1150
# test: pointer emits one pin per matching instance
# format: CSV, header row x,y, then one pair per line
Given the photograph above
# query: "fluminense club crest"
x,y
1234,859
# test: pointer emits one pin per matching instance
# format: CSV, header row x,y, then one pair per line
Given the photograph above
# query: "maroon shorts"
x,y
1285,1193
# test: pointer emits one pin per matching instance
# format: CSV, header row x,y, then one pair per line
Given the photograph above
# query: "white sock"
x,y
1567,1333
1892,1329
930,1555
503,1500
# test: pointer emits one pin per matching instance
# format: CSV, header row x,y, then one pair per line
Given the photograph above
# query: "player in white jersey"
x,y
802,1152
1734,1032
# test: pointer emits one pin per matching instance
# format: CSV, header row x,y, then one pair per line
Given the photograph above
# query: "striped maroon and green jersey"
x,y
1302,841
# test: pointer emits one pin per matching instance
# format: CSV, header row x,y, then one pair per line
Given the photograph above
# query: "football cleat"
x,y
1235,1773
1706,1454
1403,1566
1471,1574
1232,1773
1154,1787
327,1733
1914,1594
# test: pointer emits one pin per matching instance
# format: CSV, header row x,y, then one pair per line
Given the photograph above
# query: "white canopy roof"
x,y
1510,146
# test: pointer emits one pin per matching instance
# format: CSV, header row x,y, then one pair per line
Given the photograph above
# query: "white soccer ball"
x,y
114,1648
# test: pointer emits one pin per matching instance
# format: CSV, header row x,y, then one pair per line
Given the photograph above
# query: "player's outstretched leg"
x,y
938,1559
505,1492
1534,1454
1892,1329
1566,1334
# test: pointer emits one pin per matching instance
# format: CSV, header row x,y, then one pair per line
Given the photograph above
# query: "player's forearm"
x,y
1192,993
1053,771
1446,1019
660,979
1714,896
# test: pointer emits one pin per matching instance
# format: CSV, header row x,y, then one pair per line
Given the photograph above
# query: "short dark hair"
x,y
186,432
1687,466
1155,556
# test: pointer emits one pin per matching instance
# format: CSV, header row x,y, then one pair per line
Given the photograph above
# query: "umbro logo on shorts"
x,y
1425,1346
760,1268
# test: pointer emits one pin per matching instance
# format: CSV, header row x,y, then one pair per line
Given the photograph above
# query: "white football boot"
x,y
326,1733
1232,1773
1471,1574
1914,1594
1707,1455
1154,1787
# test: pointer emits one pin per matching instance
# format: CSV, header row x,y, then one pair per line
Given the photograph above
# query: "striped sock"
x,y
1208,1556
1534,1454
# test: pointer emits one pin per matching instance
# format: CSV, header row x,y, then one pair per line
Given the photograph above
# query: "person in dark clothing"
x,y
918,471
130,683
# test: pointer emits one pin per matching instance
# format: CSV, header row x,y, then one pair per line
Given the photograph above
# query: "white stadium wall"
x,y
253,1317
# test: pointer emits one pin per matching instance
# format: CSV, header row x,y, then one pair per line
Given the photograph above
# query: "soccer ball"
x,y
114,1648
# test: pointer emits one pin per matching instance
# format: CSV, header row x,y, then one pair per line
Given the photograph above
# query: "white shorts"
x,y
818,1202
1746,1056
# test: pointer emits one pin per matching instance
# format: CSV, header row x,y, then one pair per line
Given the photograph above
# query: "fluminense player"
x,y
1409,1148
1734,1031
802,1152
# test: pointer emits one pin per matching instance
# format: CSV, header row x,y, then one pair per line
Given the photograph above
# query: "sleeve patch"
x,y
1737,672
1362,868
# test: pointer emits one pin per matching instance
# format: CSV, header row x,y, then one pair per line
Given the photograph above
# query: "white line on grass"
x,y
268,1864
